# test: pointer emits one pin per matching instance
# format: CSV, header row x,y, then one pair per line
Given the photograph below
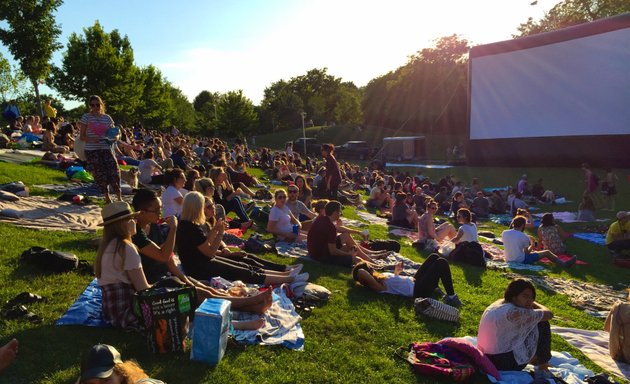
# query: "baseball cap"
x,y
99,362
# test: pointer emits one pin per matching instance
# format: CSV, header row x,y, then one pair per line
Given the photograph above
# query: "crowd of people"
x,y
188,186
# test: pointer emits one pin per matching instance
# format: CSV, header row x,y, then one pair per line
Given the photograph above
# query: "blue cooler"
x,y
210,330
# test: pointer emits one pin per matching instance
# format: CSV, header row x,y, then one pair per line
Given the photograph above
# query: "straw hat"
x,y
116,211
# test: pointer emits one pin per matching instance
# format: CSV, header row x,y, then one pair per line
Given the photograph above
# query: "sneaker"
x,y
297,268
302,277
453,301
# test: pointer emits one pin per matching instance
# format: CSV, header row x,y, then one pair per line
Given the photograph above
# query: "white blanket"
x,y
594,344
38,212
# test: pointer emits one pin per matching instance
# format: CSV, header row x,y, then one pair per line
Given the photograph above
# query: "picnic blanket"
x,y
87,189
563,258
502,265
282,324
597,238
17,156
87,309
504,218
372,218
566,217
403,232
38,212
492,250
589,297
353,223
594,344
298,250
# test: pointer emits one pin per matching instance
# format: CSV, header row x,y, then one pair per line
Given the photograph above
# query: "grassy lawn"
x,y
350,339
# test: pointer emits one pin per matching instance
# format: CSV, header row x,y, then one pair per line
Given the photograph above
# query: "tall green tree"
x,y
10,79
572,12
31,36
101,63
183,112
156,107
236,115
206,106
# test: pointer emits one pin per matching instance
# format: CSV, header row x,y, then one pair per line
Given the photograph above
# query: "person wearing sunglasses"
x,y
282,222
101,161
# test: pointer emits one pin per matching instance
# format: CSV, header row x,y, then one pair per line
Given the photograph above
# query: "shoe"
x,y
302,277
453,301
438,292
297,268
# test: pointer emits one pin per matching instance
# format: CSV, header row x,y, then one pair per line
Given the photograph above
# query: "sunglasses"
x,y
281,197
293,191
94,105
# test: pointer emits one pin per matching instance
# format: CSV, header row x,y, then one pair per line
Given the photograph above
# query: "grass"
x,y
350,339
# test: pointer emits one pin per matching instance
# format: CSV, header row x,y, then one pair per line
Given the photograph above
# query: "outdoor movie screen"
x,y
567,86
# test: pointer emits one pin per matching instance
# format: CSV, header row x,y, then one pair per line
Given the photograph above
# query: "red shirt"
x,y
322,233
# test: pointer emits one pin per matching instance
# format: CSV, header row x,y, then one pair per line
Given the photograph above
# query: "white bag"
x,y
435,309
79,148
446,248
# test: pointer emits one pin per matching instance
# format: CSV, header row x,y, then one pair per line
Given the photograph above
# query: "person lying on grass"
x,y
324,244
198,250
423,284
519,246
156,254
515,330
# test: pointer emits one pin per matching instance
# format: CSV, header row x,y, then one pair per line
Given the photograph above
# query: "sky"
x,y
227,45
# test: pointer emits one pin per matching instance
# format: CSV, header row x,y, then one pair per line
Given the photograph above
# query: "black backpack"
x,y
468,252
384,245
53,261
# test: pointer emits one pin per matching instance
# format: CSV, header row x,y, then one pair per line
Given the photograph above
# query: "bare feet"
x,y
8,352
249,325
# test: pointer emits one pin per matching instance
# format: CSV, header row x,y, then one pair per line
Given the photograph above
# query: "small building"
x,y
404,148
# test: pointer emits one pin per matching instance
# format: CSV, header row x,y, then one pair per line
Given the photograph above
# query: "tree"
x,y
236,115
183,112
31,36
156,108
573,12
10,79
205,104
100,63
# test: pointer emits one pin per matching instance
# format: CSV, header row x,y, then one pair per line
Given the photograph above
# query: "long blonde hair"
x,y
192,208
97,98
117,231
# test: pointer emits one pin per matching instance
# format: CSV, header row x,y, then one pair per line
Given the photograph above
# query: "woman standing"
x,y
100,157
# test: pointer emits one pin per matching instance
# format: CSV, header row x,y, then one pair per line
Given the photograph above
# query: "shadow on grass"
x,y
49,350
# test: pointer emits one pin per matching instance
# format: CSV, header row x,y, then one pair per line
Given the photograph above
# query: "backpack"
x,y
468,252
263,194
255,244
54,261
384,245
437,360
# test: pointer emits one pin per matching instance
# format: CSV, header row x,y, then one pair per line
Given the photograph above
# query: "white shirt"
x,y
469,232
515,243
145,168
398,285
281,216
505,327
114,268
171,207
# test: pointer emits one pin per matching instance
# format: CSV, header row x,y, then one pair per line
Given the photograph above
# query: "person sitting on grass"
x,y
298,208
427,229
618,235
458,202
198,250
519,247
423,284
550,235
282,223
118,267
379,198
467,230
402,214
480,205
586,209
515,330
156,254
326,246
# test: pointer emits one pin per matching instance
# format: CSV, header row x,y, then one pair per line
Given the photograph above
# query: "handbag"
x,y
435,309
79,148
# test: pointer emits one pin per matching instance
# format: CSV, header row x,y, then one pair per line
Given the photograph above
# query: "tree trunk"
x,y
39,102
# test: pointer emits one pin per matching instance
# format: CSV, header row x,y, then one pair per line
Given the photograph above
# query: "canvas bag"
x,y
435,309
437,360
165,312
210,331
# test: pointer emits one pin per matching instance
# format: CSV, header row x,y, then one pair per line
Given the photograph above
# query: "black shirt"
x,y
153,269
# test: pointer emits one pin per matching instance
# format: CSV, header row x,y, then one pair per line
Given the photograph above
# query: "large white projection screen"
x,y
575,87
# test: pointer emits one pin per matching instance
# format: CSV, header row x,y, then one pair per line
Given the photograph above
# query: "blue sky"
x,y
237,44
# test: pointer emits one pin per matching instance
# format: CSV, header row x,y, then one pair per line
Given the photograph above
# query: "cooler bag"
x,y
165,314
210,330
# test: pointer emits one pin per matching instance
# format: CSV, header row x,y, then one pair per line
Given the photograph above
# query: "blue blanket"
x,y
86,310
597,238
